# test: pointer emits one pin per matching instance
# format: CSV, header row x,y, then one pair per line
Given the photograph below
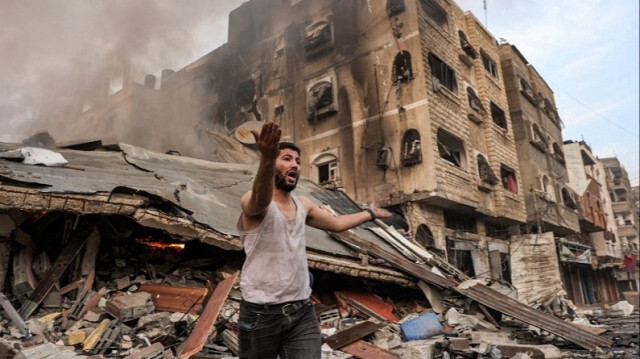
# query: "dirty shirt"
x,y
275,270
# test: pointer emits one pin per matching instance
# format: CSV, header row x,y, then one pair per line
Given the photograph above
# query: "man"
x,y
276,315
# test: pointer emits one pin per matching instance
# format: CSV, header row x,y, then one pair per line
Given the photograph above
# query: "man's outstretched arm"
x,y
321,219
254,203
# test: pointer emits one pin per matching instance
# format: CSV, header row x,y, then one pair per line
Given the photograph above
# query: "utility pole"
x,y
484,2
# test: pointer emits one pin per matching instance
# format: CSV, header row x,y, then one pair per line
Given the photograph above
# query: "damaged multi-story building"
x,y
625,212
598,230
410,103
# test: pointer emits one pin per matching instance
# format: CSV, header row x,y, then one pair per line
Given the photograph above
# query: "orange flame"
x,y
160,245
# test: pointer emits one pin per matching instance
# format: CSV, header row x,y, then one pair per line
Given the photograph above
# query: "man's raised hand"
x,y
268,140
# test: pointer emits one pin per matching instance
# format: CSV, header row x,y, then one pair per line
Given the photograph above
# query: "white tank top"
x,y
275,270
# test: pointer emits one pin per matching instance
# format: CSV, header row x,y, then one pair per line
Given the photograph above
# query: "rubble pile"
x,y
105,287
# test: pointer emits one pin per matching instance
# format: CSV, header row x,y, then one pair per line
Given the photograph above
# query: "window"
x,y
395,7
508,177
460,258
459,222
526,90
466,45
485,172
547,188
451,149
411,149
321,99
567,199
557,153
425,238
402,71
498,116
442,73
474,100
318,37
538,138
489,64
435,12
328,172
245,93
549,110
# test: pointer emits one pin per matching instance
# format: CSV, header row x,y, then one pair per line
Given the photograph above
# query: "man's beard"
x,y
281,183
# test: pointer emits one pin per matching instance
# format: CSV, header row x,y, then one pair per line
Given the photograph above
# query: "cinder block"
x,y
127,307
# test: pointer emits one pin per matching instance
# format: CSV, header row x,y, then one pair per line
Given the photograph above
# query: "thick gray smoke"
x,y
59,54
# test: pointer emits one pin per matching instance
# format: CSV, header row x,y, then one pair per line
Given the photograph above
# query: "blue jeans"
x,y
290,330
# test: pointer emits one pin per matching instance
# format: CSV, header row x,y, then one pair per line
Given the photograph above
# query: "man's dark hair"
x,y
289,145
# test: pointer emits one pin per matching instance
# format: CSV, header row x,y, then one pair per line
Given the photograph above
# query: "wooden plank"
x,y
363,350
204,326
69,252
352,334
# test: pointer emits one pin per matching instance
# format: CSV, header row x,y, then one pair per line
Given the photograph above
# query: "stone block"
x,y
127,306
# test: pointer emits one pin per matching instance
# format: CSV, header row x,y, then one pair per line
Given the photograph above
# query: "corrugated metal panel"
x,y
512,307
206,192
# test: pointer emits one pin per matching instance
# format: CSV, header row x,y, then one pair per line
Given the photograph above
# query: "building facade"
x,y
625,211
597,278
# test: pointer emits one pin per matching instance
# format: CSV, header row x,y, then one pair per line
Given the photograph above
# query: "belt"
x,y
280,308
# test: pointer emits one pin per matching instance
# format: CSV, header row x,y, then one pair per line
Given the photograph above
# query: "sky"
x,y
587,52
56,51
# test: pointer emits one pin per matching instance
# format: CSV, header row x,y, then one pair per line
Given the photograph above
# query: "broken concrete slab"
x,y
154,351
38,352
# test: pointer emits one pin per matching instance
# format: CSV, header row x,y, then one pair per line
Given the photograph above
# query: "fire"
x,y
159,245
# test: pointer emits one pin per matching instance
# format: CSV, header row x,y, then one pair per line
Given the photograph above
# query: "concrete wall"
x,y
534,267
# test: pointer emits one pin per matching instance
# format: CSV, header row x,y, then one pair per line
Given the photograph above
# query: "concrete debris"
x,y
135,293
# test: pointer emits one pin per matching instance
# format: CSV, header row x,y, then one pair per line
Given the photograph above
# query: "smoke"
x,y
58,55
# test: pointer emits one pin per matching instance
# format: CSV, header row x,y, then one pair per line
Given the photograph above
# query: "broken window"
x,y
526,90
567,199
395,7
384,158
443,75
538,138
466,45
411,149
460,257
621,194
489,64
318,37
435,12
474,100
321,99
547,188
496,230
549,110
485,171
425,238
498,116
402,70
451,149
460,222
328,172
557,153
508,177
245,93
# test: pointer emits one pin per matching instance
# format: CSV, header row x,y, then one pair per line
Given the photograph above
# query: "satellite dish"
x,y
243,132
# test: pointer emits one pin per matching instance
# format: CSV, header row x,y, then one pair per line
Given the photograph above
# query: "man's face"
x,y
287,170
